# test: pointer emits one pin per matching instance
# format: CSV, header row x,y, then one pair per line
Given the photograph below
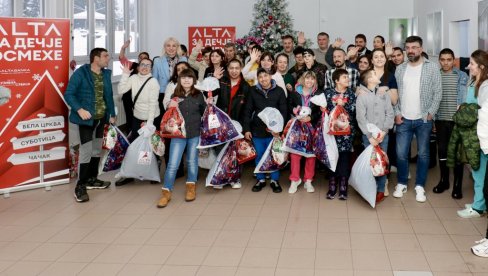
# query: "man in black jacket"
x,y
265,94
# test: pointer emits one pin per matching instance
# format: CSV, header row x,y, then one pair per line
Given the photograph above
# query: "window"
x,y
106,24
24,8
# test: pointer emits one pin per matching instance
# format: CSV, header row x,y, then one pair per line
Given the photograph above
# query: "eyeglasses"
x,y
145,65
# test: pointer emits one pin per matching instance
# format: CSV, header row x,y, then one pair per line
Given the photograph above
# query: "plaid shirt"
x,y
353,78
430,88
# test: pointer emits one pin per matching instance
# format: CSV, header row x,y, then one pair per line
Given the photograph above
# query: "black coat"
x,y
259,100
238,102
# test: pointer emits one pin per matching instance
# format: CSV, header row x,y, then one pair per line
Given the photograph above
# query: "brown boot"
x,y
191,192
165,198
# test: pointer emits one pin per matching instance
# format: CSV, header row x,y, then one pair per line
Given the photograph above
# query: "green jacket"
x,y
464,136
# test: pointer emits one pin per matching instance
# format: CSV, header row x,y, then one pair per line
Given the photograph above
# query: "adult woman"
x,y
202,65
379,42
267,62
192,105
388,82
217,63
364,63
477,93
282,67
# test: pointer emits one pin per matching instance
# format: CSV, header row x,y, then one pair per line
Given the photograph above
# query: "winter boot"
x,y
332,188
444,182
457,190
343,188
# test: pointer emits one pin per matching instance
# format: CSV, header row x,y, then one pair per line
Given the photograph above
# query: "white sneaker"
x,y
294,186
308,186
220,187
400,189
420,197
236,185
467,205
468,213
386,193
481,249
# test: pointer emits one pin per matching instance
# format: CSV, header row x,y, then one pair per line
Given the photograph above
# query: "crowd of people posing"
x,y
400,91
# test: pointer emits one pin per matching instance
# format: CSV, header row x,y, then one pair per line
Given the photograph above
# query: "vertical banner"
x,y
34,57
216,37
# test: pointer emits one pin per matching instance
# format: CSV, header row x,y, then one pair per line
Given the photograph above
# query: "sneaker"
x,y
95,183
259,186
236,185
481,249
420,196
468,213
400,189
275,186
80,194
467,205
308,186
123,181
294,186
219,187
386,193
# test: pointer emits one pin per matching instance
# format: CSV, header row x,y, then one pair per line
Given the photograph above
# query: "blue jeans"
x,y
404,133
479,203
176,149
261,144
380,180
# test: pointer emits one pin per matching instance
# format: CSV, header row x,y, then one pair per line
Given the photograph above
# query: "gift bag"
x,y
379,161
272,118
216,128
140,161
362,179
109,136
157,143
339,121
324,144
173,124
245,151
274,158
112,160
299,138
226,169
206,158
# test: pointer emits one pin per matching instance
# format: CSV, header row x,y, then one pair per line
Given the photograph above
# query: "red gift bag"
x,y
173,124
379,161
339,121
245,151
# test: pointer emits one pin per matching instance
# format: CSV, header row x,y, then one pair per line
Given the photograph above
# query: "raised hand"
x,y
126,44
199,45
353,51
389,48
301,38
126,69
255,55
338,43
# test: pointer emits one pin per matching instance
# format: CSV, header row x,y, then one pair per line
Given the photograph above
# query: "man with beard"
x,y
419,96
288,46
339,58
360,41
396,58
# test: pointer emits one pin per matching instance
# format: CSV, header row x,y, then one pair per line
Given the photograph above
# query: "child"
x,y
374,107
305,89
341,95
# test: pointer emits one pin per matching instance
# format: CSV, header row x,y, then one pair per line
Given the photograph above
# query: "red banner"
x,y
216,37
34,57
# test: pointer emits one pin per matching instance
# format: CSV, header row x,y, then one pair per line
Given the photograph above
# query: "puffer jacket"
x,y
464,136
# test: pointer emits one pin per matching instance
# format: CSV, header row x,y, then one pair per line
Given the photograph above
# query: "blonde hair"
x,y
168,40
308,74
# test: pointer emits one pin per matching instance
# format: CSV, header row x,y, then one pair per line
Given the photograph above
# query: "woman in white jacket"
x,y
146,106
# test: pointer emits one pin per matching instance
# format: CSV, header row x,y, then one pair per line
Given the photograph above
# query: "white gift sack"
x,y
362,179
319,100
330,144
206,158
272,118
140,161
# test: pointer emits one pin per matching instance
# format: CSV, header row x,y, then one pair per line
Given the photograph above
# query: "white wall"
x,y
338,18
453,10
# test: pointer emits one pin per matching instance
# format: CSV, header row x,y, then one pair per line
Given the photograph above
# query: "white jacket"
x,y
147,107
482,127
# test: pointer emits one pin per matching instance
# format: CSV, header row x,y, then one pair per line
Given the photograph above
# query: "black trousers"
x,y
343,168
444,130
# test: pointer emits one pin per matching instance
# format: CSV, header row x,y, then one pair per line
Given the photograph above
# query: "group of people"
x,y
400,91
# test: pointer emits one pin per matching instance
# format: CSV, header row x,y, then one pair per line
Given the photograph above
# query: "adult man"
x,y
90,96
230,51
300,63
312,65
397,57
454,83
420,92
352,55
323,43
127,97
339,57
288,46
360,41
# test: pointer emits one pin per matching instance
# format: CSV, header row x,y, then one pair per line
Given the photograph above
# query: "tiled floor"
x,y
236,232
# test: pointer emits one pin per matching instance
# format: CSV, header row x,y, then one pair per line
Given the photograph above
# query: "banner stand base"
x,y
46,185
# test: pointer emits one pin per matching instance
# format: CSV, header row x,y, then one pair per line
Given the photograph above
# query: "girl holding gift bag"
x,y
373,106
305,89
341,96
191,103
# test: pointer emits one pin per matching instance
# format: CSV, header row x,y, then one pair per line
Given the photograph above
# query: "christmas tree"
x,y
271,22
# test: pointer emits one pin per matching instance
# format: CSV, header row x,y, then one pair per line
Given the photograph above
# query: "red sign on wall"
x,y
34,56
216,37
